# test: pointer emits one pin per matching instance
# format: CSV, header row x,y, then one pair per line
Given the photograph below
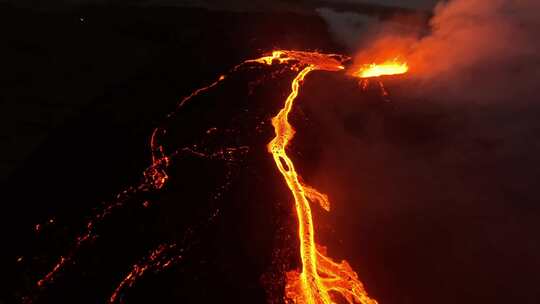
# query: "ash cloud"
x,y
486,48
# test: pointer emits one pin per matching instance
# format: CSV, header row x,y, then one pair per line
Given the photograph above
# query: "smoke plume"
x,y
482,47
439,184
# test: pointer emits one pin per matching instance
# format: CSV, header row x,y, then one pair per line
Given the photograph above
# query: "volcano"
x,y
146,196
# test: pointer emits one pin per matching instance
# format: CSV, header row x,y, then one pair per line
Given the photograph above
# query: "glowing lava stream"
x,y
319,275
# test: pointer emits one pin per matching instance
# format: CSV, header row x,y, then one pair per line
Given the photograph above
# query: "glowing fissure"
x,y
155,178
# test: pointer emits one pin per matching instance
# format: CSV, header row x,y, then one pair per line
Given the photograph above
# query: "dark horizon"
x,y
241,5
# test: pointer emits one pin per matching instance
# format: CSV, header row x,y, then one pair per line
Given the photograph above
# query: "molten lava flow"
x,y
319,275
390,67
322,61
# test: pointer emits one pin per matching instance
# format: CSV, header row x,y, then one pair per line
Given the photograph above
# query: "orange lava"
x,y
390,67
320,277
329,62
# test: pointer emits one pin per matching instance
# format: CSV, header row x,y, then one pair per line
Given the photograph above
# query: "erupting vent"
x,y
393,67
